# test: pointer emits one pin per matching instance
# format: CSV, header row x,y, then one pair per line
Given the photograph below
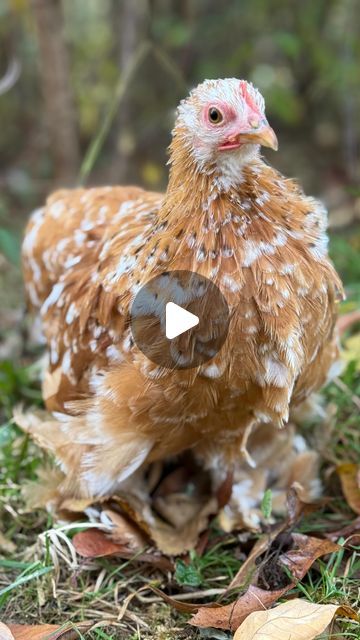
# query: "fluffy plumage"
x,y
227,215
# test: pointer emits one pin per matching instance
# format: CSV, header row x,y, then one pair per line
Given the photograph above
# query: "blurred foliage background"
x,y
89,90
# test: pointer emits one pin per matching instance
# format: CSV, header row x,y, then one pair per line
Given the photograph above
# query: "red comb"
x,y
247,97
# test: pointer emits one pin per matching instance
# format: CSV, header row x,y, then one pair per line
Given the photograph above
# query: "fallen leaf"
x,y
94,543
258,549
180,504
307,550
183,519
138,510
124,532
230,616
294,620
176,541
177,509
44,631
298,560
298,506
349,475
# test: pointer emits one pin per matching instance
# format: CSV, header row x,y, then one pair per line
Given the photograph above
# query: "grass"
x,y
42,581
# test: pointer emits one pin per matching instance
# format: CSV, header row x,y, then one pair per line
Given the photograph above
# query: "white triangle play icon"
x,y
178,320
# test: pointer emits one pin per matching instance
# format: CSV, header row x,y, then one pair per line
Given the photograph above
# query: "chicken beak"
x,y
264,136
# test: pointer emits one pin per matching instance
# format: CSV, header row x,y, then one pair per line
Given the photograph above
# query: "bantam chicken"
x,y
226,215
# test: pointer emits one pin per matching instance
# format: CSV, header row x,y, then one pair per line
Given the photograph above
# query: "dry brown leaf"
x,y
124,532
173,518
177,509
176,541
293,620
258,549
94,543
230,616
44,631
134,508
298,560
349,475
298,506
307,550
183,519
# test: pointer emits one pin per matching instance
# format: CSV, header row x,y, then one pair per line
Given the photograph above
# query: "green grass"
x,y
28,576
39,583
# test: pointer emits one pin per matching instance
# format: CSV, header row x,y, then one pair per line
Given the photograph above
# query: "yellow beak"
x,y
264,136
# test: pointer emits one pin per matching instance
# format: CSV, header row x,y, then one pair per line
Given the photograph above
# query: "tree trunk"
x,y
348,95
57,92
131,26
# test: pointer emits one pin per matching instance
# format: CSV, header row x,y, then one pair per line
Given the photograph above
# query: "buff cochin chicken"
x,y
226,215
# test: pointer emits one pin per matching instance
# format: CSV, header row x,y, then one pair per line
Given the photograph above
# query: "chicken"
x,y
226,215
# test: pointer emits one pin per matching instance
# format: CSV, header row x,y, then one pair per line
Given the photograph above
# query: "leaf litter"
x,y
175,515
294,620
44,631
271,580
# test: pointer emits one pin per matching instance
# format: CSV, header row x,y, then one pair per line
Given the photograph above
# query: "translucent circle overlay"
x,y
192,292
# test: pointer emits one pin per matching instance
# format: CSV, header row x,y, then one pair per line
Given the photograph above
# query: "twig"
x,y
11,76
183,596
170,66
123,84
341,385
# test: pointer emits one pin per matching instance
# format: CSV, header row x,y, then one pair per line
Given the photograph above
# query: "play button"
x,y
179,319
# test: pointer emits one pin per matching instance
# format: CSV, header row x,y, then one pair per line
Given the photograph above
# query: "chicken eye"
x,y
215,116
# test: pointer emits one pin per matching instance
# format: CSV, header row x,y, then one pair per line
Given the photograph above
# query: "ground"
x,y
43,580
